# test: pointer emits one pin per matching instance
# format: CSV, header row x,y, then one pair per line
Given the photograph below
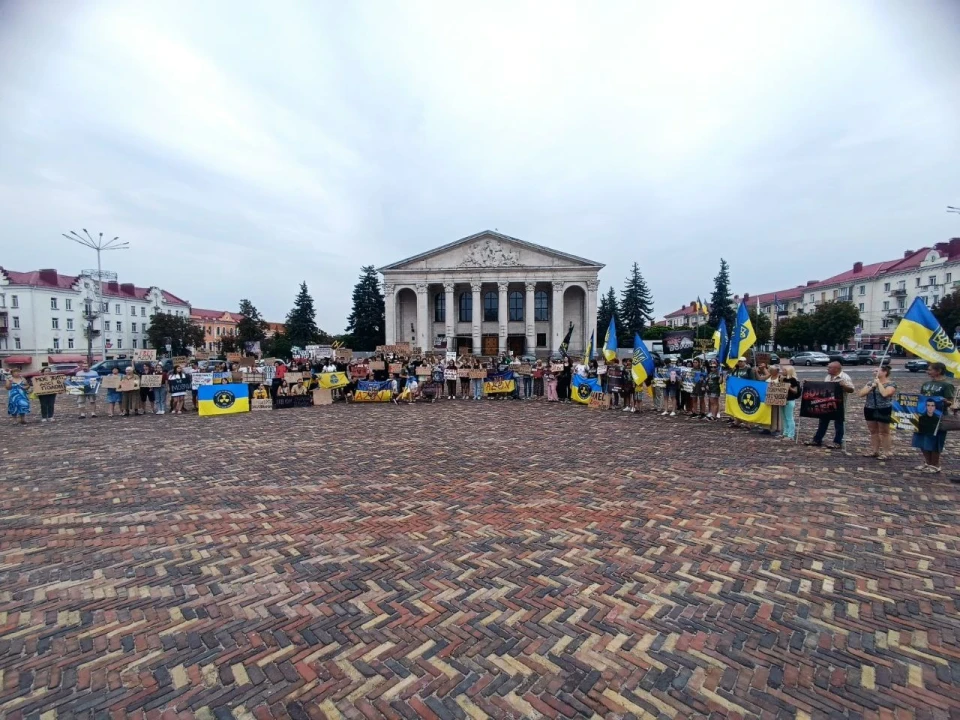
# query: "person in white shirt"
x,y
329,367
834,374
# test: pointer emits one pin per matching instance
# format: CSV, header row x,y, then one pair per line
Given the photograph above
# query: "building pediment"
x,y
490,249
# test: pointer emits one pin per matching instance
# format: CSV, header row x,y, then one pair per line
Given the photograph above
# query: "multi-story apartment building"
x,y
42,317
216,324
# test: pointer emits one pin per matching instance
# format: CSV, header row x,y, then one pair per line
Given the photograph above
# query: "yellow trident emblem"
x,y
744,332
941,341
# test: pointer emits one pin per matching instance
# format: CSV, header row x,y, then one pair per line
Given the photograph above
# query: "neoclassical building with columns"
x,y
489,293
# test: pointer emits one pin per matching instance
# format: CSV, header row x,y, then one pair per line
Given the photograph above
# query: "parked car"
x,y
871,357
810,358
917,365
846,357
105,367
68,369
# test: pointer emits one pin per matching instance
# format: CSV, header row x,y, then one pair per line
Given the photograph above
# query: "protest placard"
x,y
233,357
112,382
376,365
179,386
323,351
463,372
687,386
248,362
556,367
777,394
293,377
525,369
451,374
478,374
762,358
597,401
142,355
49,385
261,404
344,355
253,378
237,376
129,384
201,355
659,382
322,396
395,368
423,371
180,360
198,379
451,356
151,381
822,400
359,372
285,402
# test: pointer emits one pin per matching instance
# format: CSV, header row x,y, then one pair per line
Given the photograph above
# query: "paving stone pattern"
x,y
468,560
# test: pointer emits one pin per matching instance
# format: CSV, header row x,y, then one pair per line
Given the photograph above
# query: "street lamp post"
x,y
99,246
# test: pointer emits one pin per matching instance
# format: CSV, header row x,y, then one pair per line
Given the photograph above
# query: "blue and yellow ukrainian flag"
x,y
743,337
333,380
746,400
701,308
582,388
610,341
499,383
588,352
721,342
920,333
642,362
372,391
223,399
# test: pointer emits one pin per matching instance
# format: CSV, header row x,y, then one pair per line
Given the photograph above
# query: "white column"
x,y
556,315
390,314
529,317
448,315
591,314
502,314
423,332
476,318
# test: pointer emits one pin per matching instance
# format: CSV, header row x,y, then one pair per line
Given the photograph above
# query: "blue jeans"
x,y
822,431
527,385
789,423
477,385
160,398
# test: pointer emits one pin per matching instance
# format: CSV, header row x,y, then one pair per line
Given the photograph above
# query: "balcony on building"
x,y
3,323
898,292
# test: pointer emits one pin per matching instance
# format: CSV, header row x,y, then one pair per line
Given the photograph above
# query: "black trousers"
x,y
47,403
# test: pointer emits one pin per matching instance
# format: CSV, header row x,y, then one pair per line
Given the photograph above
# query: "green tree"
x,y
175,330
721,303
278,346
367,321
252,327
229,344
835,322
301,326
947,312
655,332
636,304
609,309
796,333
761,326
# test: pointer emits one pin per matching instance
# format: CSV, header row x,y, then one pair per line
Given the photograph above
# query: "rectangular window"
x,y
515,303
56,343
218,331
901,304
70,343
541,306
886,304
119,326
134,342
863,289
861,307
886,323
55,323
3,300
811,297
948,281
53,304
14,301
69,323
936,299
834,294
105,308
16,343
133,327
886,287
116,309
88,308
16,322
541,339
143,312
918,282
108,343
133,310
143,327
69,304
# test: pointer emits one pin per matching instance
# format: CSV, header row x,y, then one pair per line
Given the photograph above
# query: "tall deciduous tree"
x,y
835,322
367,321
947,312
252,327
636,303
609,309
721,303
797,333
301,326
175,330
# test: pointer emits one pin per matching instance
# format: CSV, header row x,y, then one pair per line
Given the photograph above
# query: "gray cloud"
x,y
242,148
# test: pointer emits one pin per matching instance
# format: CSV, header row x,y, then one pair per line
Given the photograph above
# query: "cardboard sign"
x,y
180,360
233,357
112,382
151,381
323,351
597,401
248,362
359,372
478,374
49,385
423,371
556,367
451,374
463,373
253,378
237,376
293,377
261,404
777,394
395,368
129,384
659,383
525,369
376,365
344,355
322,396
141,355
201,355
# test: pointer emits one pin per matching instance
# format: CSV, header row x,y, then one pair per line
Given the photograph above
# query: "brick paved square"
x,y
461,559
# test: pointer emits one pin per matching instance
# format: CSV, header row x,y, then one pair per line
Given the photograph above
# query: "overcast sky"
x,y
242,147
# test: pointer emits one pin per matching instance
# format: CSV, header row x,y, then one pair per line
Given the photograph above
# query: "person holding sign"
x,y
835,374
160,392
146,393
114,396
18,404
878,411
48,401
789,376
929,438
178,382
713,386
87,377
261,393
550,382
130,387
776,419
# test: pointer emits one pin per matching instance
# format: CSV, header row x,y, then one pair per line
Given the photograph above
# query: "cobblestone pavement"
x,y
501,559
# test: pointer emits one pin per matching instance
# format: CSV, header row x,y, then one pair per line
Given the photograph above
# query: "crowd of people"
x,y
694,390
